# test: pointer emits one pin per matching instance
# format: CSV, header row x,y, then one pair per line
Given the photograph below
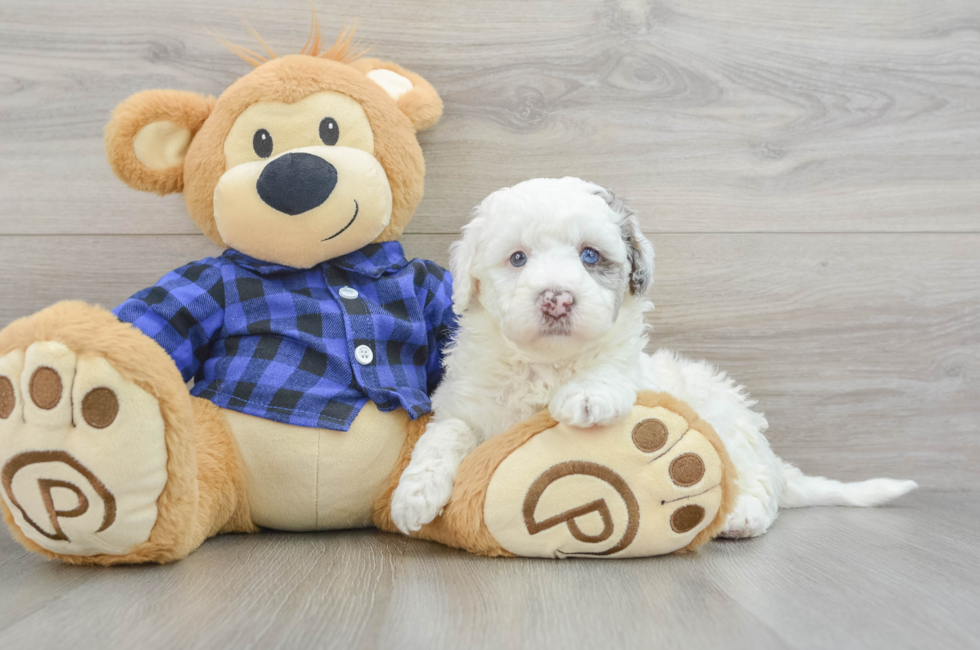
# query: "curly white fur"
x,y
510,360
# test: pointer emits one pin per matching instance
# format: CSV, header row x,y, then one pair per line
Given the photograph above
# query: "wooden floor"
x,y
896,577
809,172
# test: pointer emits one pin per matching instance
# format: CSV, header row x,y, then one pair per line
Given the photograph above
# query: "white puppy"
x,y
549,283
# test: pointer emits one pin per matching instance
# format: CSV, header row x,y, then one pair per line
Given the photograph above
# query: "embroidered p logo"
x,y
43,499
569,517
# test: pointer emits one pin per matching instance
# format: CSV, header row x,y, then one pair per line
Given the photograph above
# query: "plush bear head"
x,y
306,158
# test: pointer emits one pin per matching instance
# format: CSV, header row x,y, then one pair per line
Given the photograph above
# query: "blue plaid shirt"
x,y
279,342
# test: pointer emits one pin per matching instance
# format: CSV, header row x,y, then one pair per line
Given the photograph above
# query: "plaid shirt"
x,y
279,342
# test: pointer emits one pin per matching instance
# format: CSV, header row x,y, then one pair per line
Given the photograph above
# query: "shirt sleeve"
x,y
182,312
440,320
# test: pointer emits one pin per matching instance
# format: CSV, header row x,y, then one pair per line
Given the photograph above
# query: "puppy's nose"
x,y
296,182
556,303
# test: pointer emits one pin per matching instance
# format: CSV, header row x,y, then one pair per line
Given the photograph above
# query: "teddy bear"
x,y
312,344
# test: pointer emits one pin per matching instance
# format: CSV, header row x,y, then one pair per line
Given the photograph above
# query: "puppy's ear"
x,y
414,96
147,138
639,250
461,254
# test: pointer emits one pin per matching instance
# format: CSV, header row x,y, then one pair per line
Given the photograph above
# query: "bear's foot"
x,y
82,453
658,482
649,485
105,458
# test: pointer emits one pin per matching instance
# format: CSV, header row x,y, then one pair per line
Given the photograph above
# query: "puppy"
x,y
550,278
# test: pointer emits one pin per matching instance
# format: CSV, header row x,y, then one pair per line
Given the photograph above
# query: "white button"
x,y
348,292
363,354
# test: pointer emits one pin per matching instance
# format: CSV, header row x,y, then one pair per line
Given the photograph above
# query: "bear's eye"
x,y
329,131
262,143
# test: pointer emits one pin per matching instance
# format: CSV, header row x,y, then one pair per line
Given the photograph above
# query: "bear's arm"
x,y
182,312
440,320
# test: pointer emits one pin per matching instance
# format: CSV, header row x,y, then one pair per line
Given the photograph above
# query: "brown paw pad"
x,y
650,435
686,518
100,407
7,399
45,388
686,469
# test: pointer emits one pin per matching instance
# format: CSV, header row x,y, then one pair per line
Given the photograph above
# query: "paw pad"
x,y
686,470
100,406
686,518
650,435
45,388
7,399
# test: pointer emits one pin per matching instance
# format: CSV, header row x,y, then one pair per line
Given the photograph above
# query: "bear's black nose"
x,y
296,182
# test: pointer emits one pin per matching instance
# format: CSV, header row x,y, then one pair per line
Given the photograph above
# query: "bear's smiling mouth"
x,y
356,210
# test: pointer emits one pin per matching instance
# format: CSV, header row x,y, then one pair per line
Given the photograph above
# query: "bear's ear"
x,y
147,138
414,95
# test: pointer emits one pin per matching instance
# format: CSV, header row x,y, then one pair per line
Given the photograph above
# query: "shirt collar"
x,y
374,260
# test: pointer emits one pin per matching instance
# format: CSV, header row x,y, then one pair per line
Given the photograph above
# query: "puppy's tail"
x,y
802,490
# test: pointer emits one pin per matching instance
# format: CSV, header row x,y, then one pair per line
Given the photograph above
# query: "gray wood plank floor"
x,y
897,577
808,171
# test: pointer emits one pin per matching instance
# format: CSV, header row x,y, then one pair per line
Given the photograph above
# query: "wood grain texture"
x,y
896,577
863,350
809,116
808,172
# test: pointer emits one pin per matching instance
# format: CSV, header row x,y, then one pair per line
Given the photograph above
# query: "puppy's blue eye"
x,y
518,259
590,256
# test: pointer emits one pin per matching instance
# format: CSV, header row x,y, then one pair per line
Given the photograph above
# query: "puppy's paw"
x,y
582,405
420,497
750,518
